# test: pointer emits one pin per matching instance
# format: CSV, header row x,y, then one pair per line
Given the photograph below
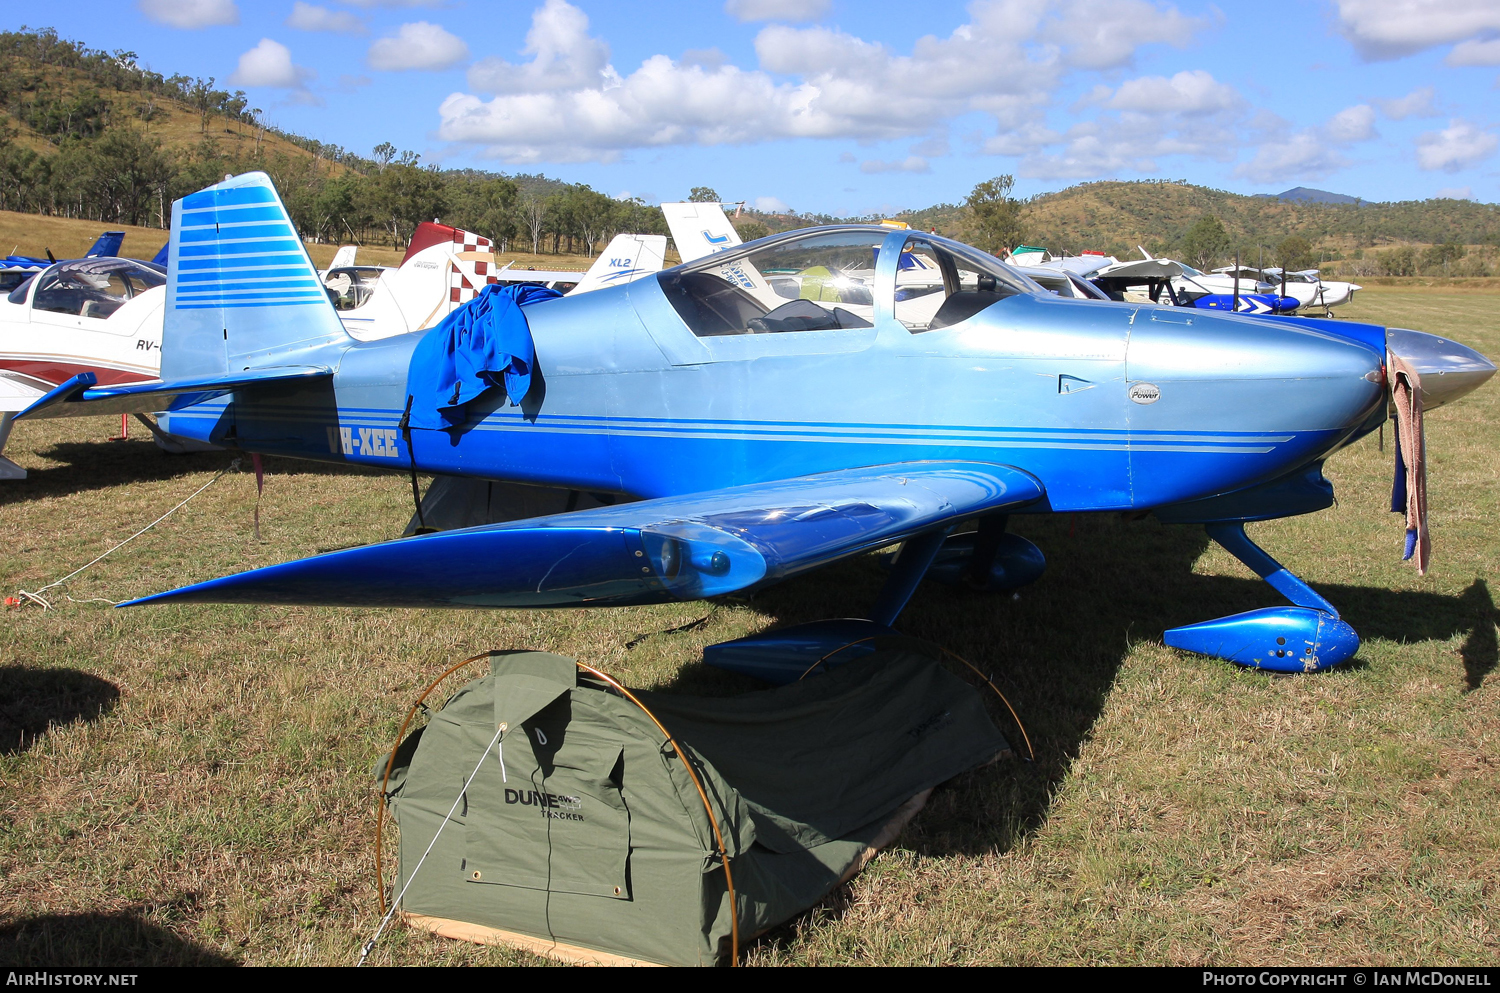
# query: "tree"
x,y
534,216
1206,242
592,213
998,216
703,194
384,152
204,100
1294,253
127,171
750,230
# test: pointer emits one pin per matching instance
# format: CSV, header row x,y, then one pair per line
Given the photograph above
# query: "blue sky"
x,y
843,107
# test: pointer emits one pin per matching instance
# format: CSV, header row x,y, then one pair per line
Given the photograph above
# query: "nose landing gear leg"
x,y
1303,638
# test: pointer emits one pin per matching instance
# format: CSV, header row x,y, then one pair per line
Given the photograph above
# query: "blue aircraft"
x,y
768,410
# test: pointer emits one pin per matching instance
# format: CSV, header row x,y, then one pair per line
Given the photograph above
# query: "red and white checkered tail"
x,y
466,275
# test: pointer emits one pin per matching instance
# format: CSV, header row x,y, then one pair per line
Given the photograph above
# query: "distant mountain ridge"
x,y
1309,195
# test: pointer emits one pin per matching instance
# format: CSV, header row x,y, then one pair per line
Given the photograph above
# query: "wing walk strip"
x,y
848,434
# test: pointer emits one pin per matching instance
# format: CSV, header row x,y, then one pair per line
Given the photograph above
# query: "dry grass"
x,y
33,234
189,784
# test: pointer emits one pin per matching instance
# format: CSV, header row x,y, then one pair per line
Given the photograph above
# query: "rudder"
x,y
242,293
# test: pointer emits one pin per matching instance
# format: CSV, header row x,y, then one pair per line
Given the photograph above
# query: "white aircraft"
x,y
1312,291
445,267
100,315
699,229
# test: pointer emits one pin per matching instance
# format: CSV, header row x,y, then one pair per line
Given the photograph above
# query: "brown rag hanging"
x,y
1411,450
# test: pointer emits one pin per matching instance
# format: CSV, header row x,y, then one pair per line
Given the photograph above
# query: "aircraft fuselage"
x,y
1112,406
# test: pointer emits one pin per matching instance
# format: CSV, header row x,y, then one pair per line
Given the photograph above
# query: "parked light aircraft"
x,y
102,315
1312,291
766,437
1165,281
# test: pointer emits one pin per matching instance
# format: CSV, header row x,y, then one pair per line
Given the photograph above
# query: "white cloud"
x,y
1454,193
418,45
1104,34
1351,124
190,14
568,104
1310,153
770,205
310,17
1191,91
372,4
912,163
1458,146
270,64
934,147
565,101
796,11
563,56
1304,155
1417,103
1391,29
1475,53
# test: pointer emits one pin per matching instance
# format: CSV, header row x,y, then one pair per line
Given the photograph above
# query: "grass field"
x,y
190,784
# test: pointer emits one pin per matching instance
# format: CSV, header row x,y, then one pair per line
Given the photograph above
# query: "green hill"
x,y
1115,217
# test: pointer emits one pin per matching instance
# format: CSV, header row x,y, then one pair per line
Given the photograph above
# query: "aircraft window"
x,y
82,292
144,279
1058,284
351,288
818,282
10,280
1085,289
18,295
938,287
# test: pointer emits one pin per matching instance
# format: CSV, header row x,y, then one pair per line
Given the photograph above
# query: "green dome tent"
x,y
584,834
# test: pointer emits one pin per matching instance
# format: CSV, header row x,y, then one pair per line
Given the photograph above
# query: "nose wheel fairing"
x,y
1307,637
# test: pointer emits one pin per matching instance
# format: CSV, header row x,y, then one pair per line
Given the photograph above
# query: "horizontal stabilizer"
x,y
654,551
80,397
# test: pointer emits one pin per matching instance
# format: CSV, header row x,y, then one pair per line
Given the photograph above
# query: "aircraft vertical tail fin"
x,y
108,244
628,257
344,256
699,229
242,293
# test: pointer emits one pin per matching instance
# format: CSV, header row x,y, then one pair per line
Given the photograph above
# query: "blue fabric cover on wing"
x,y
483,344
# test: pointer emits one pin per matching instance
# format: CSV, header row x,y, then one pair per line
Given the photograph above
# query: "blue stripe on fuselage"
x,y
1101,469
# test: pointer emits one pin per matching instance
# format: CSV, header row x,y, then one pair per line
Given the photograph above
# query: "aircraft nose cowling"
x,y
1229,370
1252,398
1448,370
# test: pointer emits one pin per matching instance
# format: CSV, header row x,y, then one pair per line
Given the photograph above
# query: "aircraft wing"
x,y
16,395
80,397
654,551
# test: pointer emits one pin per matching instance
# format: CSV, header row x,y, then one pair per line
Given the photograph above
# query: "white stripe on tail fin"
x,y
628,257
699,229
241,290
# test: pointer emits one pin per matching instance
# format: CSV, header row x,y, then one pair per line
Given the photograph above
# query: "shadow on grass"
x,y
101,464
122,938
33,701
1056,650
